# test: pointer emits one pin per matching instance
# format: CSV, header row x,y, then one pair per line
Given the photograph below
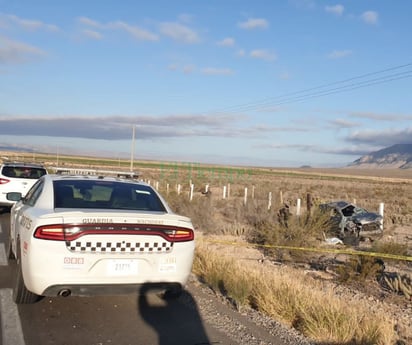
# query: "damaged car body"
x,y
352,223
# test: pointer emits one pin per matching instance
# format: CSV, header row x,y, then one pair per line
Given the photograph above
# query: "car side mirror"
x,y
14,196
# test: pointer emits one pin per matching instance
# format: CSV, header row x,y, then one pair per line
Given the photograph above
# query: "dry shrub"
x,y
297,300
230,280
298,232
200,210
219,216
363,269
360,269
390,248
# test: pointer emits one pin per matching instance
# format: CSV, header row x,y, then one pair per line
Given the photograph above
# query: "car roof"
x,y
52,181
24,164
59,177
338,204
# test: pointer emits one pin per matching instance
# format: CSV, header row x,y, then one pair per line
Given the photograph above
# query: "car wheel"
x,y
10,254
20,293
172,293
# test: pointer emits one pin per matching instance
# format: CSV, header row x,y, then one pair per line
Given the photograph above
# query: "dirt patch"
x,y
400,234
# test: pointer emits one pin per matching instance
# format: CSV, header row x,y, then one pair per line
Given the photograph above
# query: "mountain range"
x,y
395,156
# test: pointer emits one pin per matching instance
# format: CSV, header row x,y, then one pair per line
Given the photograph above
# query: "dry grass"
x,y
298,300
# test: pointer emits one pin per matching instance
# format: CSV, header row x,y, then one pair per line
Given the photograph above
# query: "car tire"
x,y
9,253
172,293
20,293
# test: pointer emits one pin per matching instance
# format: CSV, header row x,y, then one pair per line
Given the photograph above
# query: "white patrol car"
x,y
18,177
87,235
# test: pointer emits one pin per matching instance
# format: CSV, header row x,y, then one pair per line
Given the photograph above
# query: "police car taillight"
x,y
50,232
4,181
179,235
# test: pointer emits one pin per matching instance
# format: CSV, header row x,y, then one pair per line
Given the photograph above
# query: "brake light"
x,y
4,181
180,235
71,232
50,232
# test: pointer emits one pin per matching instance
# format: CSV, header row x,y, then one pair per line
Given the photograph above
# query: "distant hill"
x,y
396,156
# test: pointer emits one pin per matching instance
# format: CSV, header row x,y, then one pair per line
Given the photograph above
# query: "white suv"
x,y
18,177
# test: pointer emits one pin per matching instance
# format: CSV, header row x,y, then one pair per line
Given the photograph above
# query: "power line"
x,y
345,88
302,95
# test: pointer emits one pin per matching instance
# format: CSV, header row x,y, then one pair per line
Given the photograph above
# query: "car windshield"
x,y
100,194
359,210
23,172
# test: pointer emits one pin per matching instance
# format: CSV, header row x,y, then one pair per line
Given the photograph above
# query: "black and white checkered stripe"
x,y
119,247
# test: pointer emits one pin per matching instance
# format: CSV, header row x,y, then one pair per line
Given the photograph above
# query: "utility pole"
x,y
132,150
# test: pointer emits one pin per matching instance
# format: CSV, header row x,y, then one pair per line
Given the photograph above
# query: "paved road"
x,y
98,320
114,320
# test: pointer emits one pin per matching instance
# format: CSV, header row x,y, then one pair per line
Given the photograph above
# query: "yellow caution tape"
x,y
316,250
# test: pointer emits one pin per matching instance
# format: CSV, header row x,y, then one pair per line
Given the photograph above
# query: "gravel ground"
x,y
246,326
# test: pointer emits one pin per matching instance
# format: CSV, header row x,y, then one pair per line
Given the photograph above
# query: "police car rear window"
x,y
106,195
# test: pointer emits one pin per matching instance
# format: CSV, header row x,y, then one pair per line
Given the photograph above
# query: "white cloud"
x,y
3,22
179,32
118,127
172,67
339,54
226,42
336,9
382,117
386,137
173,30
137,32
92,34
16,52
370,17
254,23
217,71
241,52
263,54
342,123
31,25
89,22
188,69
300,147
185,18
133,30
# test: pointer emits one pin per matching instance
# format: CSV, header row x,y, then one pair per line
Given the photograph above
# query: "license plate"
x,y
122,267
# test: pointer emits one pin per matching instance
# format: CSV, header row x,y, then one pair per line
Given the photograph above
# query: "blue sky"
x,y
265,83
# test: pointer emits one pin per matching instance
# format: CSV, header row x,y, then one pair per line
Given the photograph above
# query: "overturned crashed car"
x,y
352,223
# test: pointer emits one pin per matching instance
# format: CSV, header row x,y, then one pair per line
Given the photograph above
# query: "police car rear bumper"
x,y
118,289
